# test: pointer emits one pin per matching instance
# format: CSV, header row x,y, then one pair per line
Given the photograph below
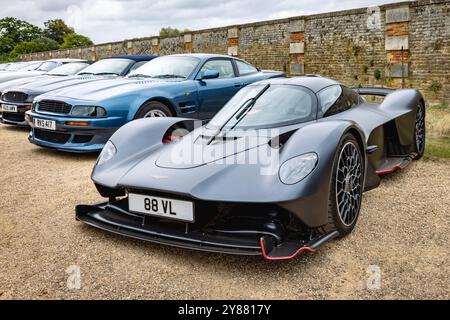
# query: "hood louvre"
x,y
213,140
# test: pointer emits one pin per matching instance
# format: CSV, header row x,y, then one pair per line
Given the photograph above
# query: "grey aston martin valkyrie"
x,y
279,170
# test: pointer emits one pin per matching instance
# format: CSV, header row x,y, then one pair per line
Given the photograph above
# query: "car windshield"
x,y
114,66
47,66
16,66
68,69
267,107
31,67
167,68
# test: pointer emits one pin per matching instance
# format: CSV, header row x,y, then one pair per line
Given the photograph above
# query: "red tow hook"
x,y
290,249
287,257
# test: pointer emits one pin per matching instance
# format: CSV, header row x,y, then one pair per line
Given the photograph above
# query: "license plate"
x,y
45,124
9,108
161,207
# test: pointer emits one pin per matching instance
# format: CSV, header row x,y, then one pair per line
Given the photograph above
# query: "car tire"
x,y
420,132
346,187
153,109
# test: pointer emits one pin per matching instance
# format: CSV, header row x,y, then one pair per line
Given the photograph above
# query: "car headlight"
x,y
88,111
296,169
109,150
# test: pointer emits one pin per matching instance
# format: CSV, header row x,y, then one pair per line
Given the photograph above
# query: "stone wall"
x,y
403,44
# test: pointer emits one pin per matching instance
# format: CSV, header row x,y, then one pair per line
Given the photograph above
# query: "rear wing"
x,y
381,92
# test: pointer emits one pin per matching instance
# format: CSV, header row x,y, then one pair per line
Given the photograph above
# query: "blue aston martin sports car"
x,y
83,118
17,96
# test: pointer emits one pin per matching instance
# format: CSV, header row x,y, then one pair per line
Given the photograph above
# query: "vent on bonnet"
x,y
212,140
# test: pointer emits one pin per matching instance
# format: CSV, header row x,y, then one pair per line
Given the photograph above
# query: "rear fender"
x,y
401,105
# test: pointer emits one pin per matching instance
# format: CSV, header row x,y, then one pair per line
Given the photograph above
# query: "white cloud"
x,y
113,20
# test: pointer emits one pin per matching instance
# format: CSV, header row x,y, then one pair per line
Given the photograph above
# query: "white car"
x,y
15,66
32,69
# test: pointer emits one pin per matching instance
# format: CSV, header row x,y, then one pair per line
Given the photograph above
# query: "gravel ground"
x,y
403,229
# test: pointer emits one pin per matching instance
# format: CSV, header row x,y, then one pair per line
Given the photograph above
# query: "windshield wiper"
x,y
139,75
106,73
241,115
169,76
84,73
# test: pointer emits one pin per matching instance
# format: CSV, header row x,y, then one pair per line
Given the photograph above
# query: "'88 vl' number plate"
x,y
161,207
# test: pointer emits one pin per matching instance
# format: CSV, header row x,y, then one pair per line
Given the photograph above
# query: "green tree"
x,y
14,31
36,45
57,29
169,32
74,40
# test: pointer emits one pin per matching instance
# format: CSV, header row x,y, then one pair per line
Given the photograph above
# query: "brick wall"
x,y
358,47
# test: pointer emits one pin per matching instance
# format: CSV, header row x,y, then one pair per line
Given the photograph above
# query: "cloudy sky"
x,y
113,20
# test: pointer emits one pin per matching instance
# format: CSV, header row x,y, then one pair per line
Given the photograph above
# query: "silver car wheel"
x,y
155,114
348,184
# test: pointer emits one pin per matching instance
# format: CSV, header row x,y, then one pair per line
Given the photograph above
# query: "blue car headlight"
x,y
88,111
296,169
108,152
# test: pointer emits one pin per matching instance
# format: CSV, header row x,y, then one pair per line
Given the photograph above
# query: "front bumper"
x,y
232,235
77,139
15,118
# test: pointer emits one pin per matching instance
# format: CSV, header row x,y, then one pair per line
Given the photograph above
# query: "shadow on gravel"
x,y
15,128
212,262
64,155
52,152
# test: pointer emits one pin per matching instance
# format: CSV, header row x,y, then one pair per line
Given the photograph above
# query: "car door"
x,y
213,94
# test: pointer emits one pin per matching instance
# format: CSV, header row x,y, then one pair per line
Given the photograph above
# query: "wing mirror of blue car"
x,y
210,74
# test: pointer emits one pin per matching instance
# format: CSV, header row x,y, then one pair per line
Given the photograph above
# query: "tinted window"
x,y
328,97
278,105
108,66
137,65
352,96
224,67
342,102
47,66
245,68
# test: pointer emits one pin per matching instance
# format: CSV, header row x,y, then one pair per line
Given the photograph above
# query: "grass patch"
x,y
438,121
437,148
438,132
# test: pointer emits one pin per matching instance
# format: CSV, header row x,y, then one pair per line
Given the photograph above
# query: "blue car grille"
x,y
51,136
54,106
14,96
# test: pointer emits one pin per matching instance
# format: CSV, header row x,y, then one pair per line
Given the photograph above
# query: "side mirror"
x,y
210,74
